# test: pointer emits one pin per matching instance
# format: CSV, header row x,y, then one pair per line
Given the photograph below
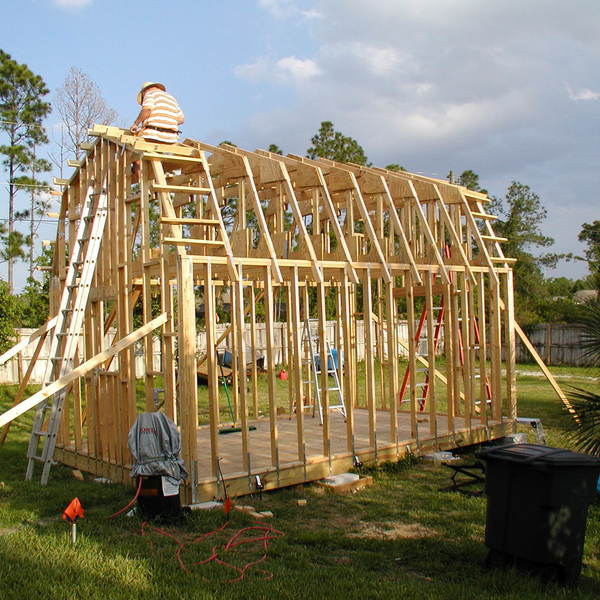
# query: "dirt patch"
x,y
393,531
331,522
8,530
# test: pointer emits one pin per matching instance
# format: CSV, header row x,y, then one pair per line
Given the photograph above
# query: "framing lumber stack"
x,y
287,238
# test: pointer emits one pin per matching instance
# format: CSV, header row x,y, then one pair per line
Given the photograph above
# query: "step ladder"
x,y
67,332
311,351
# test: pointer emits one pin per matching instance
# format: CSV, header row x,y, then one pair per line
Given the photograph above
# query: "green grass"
x,y
400,538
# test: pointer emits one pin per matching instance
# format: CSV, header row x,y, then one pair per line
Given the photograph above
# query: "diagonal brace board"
x,y
45,328
546,372
81,370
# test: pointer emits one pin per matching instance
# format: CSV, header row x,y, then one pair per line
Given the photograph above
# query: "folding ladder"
x,y
311,345
67,332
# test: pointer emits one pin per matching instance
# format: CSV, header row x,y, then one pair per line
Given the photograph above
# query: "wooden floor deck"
x,y
230,444
292,469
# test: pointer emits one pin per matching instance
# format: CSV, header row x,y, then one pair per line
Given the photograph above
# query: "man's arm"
x,y
180,117
144,114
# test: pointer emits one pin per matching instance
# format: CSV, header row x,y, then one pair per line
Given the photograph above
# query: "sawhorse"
x,y
470,471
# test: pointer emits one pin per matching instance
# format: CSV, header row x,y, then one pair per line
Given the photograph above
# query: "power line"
x,y
19,123
26,184
27,219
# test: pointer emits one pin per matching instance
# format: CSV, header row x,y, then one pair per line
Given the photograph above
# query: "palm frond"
x,y
589,322
586,436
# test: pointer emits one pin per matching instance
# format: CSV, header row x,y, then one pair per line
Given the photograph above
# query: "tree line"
x,y
24,107
520,216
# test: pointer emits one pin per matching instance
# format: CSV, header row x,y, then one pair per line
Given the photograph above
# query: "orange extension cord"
x,y
266,534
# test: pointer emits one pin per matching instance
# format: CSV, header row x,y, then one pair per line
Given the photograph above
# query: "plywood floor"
x,y
230,445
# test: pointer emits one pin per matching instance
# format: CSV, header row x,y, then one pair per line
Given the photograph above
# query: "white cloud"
x,y
288,69
377,59
253,72
297,69
445,84
311,14
284,9
72,4
581,94
278,8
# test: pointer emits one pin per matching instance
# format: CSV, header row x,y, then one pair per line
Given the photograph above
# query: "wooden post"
x,y
210,320
412,350
186,345
254,368
295,360
393,382
449,350
347,359
238,303
270,365
369,363
431,383
509,361
324,366
483,370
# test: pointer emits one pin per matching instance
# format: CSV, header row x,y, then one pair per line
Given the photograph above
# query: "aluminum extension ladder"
x,y
66,335
311,342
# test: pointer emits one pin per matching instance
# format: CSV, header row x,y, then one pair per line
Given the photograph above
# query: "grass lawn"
x,y
400,538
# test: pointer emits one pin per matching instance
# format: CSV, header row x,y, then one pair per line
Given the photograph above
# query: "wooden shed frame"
x,y
349,244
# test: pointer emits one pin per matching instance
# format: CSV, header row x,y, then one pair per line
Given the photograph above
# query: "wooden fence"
x,y
9,372
557,344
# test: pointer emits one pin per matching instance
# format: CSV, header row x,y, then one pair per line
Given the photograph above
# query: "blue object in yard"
x,y
227,359
598,485
332,361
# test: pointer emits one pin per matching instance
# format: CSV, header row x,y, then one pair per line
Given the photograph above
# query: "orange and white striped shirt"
x,y
165,114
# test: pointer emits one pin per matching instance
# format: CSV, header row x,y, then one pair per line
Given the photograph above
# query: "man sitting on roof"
x,y
160,115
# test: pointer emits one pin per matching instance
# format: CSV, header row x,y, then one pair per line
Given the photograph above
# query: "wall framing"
x,y
282,238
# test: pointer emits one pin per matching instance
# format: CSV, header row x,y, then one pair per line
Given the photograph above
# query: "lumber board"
x,y
551,379
45,328
81,370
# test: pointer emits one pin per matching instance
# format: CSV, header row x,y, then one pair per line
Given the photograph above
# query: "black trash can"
x,y
538,500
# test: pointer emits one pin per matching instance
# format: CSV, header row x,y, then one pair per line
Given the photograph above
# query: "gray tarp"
x,y
155,444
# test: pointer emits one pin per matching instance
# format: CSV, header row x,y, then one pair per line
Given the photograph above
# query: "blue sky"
x,y
509,89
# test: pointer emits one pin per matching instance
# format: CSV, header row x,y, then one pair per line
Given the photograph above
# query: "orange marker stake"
x,y
73,512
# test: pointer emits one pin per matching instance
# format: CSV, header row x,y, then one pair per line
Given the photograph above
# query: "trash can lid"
x,y
537,455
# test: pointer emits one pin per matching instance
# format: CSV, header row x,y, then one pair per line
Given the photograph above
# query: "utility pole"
x,y
31,216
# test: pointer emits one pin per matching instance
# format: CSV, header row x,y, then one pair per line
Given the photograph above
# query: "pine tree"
x,y
334,145
520,216
590,235
22,110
